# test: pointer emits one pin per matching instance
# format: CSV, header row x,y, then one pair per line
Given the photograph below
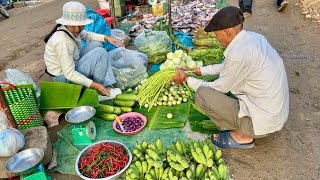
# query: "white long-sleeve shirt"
x,y
62,52
254,72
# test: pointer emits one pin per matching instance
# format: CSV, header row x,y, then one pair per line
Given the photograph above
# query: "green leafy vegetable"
x,y
208,56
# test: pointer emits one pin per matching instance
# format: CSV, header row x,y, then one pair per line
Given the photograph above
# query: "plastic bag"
x,y
98,26
11,141
129,67
17,77
104,4
155,44
3,121
118,34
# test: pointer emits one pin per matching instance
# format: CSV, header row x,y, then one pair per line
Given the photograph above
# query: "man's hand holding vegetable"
x,y
181,76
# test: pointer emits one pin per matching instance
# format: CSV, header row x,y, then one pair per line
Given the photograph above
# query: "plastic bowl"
x,y
113,177
130,114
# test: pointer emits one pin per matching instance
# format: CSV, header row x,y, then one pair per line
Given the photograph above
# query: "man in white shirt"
x,y
254,72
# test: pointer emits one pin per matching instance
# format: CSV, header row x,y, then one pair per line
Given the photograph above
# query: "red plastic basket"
x,y
103,12
109,21
130,114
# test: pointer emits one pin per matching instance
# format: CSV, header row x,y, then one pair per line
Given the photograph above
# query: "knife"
x,y
120,124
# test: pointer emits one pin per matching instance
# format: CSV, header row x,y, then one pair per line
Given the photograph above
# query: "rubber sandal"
x,y
226,141
283,6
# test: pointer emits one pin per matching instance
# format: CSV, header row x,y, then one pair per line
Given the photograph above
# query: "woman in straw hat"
x,y
67,62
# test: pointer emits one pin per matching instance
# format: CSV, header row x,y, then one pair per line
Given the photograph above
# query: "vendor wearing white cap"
x,y
67,62
254,72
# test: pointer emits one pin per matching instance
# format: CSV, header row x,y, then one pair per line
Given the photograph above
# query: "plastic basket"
x,y
23,106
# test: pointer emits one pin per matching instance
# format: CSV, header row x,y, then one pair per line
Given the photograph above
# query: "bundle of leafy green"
x,y
208,56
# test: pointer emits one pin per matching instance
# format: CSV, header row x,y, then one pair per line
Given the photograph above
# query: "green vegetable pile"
x,y
204,40
208,49
156,90
155,44
172,95
179,59
122,104
163,26
193,160
208,56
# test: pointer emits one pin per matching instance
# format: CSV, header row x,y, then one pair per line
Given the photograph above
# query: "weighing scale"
x,y
38,174
28,165
84,131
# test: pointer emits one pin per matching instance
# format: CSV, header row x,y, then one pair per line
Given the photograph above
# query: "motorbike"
x,y
3,10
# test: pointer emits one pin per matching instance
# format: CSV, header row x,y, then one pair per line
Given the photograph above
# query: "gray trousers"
x,y
94,64
223,111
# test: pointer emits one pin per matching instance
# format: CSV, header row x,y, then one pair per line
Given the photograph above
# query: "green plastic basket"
x,y
23,106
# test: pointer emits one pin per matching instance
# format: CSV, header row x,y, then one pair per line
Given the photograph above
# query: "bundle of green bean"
x,y
151,89
155,87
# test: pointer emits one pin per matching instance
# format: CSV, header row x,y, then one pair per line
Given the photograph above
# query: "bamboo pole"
x,y
169,12
115,22
7,111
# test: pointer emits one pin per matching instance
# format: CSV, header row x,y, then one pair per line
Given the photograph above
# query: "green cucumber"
x,y
129,90
123,103
134,92
117,110
127,97
105,108
108,117
126,109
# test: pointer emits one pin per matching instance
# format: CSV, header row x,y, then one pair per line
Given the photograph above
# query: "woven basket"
x,y
23,106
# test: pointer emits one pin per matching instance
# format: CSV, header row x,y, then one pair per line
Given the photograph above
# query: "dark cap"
x,y
225,18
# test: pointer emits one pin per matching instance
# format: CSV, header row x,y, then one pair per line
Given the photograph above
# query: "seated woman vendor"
x,y
67,62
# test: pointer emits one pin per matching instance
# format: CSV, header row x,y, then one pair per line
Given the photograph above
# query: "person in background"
x,y
253,71
67,62
246,6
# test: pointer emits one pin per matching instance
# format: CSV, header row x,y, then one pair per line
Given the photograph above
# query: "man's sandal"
x,y
226,141
283,6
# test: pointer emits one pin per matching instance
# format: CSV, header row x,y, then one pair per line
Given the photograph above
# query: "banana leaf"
x,y
56,95
157,116
89,98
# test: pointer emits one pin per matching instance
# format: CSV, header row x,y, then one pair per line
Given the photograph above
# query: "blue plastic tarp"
x,y
98,26
185,39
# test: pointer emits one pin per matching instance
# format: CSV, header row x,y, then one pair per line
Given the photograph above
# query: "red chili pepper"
x,y
103,160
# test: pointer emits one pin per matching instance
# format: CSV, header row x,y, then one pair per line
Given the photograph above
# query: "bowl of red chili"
x,y
132,122
105,160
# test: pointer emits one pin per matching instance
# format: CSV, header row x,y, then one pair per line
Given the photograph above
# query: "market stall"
x,y
144,132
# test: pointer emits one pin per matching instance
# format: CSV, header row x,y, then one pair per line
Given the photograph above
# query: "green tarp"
x,y
67,152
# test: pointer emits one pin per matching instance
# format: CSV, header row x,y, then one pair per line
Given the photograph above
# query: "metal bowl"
x,y
80,114
113,177
25,161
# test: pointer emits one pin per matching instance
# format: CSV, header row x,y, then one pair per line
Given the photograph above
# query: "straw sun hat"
x,y
74,14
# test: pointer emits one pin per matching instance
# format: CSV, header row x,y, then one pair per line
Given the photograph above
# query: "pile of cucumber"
x,y
122,104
